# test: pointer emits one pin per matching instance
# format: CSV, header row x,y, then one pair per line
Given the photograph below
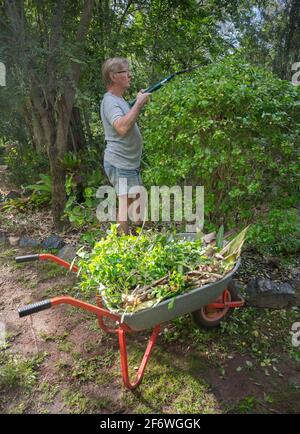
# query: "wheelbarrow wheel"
x,y
208,317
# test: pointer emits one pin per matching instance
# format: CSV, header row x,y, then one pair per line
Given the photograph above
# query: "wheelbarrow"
x,y
209,305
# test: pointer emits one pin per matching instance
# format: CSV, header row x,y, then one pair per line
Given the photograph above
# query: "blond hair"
x,y
114,64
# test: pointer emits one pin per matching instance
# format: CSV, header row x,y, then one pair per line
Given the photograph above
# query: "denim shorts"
x,y
122,179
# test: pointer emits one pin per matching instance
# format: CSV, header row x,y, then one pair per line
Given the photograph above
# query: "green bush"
x,y
41,191
278,232
84,177
24,163
83,213
231,127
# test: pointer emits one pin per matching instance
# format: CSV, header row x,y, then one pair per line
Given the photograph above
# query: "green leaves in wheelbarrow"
x,y
220,237
232,250
139,272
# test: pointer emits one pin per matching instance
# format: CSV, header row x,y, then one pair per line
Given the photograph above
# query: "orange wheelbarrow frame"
x,y
121,328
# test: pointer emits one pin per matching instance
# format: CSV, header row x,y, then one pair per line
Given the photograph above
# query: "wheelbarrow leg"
x,y
100,312
124,360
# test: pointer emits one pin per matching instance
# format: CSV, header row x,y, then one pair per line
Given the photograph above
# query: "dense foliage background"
x,y
233,125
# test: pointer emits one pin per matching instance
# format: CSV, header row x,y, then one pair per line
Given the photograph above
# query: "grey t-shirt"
x,y
123,152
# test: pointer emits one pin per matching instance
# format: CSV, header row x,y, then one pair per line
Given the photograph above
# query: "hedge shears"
x,y
161,83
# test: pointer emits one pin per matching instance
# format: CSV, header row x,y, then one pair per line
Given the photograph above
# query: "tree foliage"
x,y
231,127
53,52
267,31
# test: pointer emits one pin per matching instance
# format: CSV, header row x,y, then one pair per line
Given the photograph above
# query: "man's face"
x,y
122,77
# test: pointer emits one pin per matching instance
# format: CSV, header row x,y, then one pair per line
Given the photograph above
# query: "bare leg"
x,y
139,213
122,214
124,203
139,221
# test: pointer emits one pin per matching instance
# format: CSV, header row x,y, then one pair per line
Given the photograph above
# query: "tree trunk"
x,y
58,144
58,187
65,106
292,40
76,138
289,41
52,103
56,152
35,127
87,127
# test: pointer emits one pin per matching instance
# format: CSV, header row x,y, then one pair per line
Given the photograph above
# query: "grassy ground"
x,y
58,361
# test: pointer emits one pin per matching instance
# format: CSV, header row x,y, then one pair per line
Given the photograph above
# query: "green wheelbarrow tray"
x,y
181,304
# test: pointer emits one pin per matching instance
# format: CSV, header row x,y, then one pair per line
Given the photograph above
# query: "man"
x,y
122,155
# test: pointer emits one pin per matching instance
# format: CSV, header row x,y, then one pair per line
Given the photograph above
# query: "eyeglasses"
x,y
125,70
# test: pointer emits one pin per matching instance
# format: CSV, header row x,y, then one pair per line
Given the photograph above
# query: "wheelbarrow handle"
x,y
34,307
47,257
27,258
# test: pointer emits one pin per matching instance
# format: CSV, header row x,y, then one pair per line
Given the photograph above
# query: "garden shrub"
x,y
82,182
25,163
231,127
277,233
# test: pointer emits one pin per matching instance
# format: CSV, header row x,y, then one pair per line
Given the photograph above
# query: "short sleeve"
x,y
112,111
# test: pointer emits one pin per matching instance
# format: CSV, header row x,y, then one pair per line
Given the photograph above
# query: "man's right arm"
x,y
124,123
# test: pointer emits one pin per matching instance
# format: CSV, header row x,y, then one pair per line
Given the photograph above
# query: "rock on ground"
x,y
268,293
